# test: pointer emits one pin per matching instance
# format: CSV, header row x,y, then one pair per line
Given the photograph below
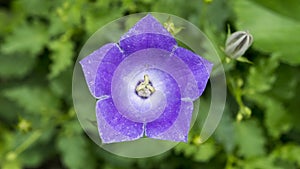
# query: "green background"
x,y
40,41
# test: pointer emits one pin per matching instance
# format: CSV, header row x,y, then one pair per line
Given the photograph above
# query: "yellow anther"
x,y
146,79
151,88
140,87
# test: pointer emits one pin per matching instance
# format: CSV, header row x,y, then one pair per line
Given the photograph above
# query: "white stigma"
x,y
145,89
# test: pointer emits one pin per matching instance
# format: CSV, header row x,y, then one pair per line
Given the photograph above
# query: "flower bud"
x,y
237,43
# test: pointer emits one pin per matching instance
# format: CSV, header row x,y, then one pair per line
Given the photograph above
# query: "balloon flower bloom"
x,y
145,85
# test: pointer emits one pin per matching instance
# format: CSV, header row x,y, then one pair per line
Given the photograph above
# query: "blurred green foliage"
x,y
39,43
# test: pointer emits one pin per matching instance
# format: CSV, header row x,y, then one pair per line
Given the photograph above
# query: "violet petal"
x,y
147,40
106,69
200,67
90,65
147,24
113,127
147,33
179,129
171,112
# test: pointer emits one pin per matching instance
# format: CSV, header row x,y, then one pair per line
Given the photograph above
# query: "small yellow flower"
x,y
197,140
170,27
24,125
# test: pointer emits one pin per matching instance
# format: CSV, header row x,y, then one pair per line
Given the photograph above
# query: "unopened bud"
x,y
237,43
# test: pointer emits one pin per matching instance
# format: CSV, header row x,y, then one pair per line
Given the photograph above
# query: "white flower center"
x,y
144,89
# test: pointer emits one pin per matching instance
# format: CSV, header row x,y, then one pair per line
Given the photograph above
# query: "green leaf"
x,y
70,13
187,149
205,152
73,148
12,165
288,152
272,32
95,20
260,163
8,111
293,108
6,141
33,99
288,8
5,24
261,75
277,118
41,8
62,55
218,11
226,131
244,60
15,65
60,85
250,139
202,153
284,87
33,157
28,39
267,84
171,6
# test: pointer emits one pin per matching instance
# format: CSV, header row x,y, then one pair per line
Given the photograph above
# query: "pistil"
x,y
145,89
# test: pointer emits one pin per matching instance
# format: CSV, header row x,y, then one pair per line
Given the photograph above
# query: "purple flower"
x,y
145,84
